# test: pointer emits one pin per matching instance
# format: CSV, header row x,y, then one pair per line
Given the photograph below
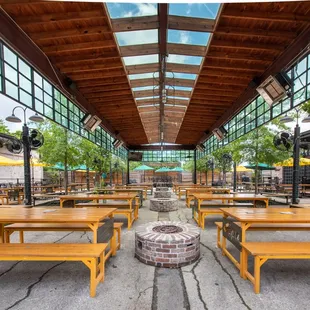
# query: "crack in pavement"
x,y
229,275
31,286
198,284
140,294
155,290
186,303
5,272
64,237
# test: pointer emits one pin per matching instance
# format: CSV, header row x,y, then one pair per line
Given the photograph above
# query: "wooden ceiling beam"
x,y
103,82
220,81
239,56
231,44
81,57
225,74
223,88
145,93
179,93
183,68
138,50
257,32
135,23
142,82
97,75
109,98
76,32
54,50
238,66
213,98
186,49
31,20
145,68
266,16
180,82
190,23
214,92
69,69
105,88
115,93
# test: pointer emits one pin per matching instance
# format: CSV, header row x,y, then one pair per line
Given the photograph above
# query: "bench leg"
x,y
257,275
130,220
202,219
244,264
21,236
219,230
93,272
113,243
118,246
136,213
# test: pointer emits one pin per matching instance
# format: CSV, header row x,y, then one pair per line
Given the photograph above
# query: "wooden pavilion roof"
x,y
79,40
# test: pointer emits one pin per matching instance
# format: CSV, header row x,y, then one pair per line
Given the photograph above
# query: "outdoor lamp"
x,y
306,119
13,119
27,148
286,119
36,118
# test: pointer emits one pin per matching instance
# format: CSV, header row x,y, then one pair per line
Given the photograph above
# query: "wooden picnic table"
x,y
129,197
247,217
144,189
300,205
182,188
209,190
90,217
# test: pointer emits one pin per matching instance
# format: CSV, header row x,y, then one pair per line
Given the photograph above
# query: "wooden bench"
x,y
86,253
4,197
262,251
115,241
214,209
264,227
122,209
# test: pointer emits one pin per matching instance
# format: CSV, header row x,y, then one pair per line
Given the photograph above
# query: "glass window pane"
x,y
25,84
37,79
24,68
10,74
10,57
38,93
25,98
48,100
47,87
48,112
11,90
39,106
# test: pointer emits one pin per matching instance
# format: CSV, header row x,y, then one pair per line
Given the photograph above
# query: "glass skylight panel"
x,y
142,88
188,37
182,98
139,60
182,59
202,10
123,10
137,37
143,76
179,88
144,98
178,75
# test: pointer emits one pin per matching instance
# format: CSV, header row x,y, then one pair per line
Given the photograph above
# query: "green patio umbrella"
x,y
143,168
260,166
163,169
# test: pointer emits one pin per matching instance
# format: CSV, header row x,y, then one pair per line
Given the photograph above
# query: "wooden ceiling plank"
x,y
145,68
239,56
105,88
56,49
183,68
139,49
186,49
266,16
96,75
135,23
247,45
102,82
57,17
190,23
91,67
81,57
77,32
257,32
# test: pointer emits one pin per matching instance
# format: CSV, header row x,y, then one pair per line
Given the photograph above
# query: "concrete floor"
x,y
211,283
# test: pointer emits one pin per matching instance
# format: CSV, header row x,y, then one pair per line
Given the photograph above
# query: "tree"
x,y
4,128
222,162
60,146
101,162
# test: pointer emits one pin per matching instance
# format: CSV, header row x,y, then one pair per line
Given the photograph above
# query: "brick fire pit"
x,y
162,194
167,244
163,204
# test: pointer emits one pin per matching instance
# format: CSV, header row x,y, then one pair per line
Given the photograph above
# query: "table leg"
x,y
94,228
1,233
244,227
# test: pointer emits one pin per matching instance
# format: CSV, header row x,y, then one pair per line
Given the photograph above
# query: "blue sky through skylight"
x,y
138,60
143,76
181,59
181,75
180,88
188,37
202,10
121,10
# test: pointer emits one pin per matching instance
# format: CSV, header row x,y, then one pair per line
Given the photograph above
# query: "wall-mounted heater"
x,y
275,88
220,133
90,122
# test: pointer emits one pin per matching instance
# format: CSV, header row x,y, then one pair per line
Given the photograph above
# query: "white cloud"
x,y
142,9
145,59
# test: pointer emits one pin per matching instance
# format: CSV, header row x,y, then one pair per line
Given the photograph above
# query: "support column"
x,y
235,176
127,173
195,168
296,154
27,175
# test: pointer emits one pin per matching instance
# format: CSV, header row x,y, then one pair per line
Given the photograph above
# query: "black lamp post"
x,y
296,153
27,150
210,163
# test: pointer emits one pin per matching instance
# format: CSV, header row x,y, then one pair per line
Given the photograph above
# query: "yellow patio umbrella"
x,y
243,169
5,161
289,162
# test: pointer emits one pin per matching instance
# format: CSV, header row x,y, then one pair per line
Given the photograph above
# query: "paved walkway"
x,y
211,283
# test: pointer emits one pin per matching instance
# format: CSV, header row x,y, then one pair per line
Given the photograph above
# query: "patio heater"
x,y
296,152
26,146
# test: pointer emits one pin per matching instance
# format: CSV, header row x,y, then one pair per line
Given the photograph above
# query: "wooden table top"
x,y
41,215
208,196
269,215
98,196
201,190
300,205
